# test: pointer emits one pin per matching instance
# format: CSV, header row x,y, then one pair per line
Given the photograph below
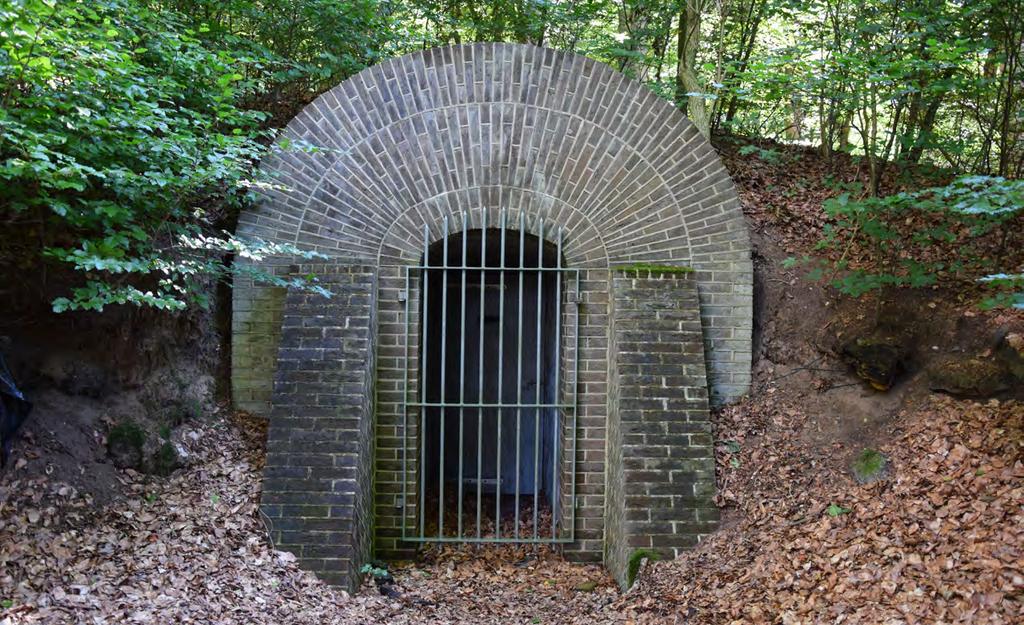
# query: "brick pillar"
x,y
317,481
661,477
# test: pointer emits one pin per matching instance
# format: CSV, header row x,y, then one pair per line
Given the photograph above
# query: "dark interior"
x,y
485,353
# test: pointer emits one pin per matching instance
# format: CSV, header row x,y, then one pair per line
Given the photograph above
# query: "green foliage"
x,y
899,80
767,155
587,27
165,460
124,141
130,129
869,465
1011,287
835,510
635,559
376,569
300,48
128,435
892,79
960,232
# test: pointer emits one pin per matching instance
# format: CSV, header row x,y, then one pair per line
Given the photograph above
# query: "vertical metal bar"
x,y
501,362
537,379
519,357
556,465
462,365
575,389
444,398
405,412
480,365
425,325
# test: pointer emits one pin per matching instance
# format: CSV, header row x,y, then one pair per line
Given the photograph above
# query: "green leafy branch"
x,y
966,232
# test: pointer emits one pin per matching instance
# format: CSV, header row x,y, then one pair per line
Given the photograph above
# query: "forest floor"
x,y
937,538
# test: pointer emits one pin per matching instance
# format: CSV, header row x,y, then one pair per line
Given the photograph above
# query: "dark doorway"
x,y
490,367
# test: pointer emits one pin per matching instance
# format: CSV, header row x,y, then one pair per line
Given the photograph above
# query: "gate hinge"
x,y
403,295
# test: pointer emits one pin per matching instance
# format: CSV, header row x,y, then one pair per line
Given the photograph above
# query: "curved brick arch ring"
x,y
461,134
417,130
469,209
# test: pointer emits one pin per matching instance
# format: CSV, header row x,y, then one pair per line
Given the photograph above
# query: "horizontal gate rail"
x,y
476,405
428,413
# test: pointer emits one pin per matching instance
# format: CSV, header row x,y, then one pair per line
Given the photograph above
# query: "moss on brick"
x,y
635,559
654,268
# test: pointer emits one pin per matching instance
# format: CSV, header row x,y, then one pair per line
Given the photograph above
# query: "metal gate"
x,y
491,365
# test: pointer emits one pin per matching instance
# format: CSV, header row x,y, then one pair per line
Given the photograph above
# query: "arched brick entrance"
x,y
471,131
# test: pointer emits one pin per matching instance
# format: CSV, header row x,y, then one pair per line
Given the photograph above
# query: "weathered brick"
x,y
662,463
328,526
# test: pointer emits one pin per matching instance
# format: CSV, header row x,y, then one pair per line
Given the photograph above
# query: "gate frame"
x,y
563,385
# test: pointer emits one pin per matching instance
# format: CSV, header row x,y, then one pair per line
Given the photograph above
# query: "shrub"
x,y
967,231
122,143
869,465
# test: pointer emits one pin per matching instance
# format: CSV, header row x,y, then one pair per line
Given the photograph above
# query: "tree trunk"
x,y
844,134
694,106
634,18
924,134
748,39
826,127
1014,41
661,44
794,130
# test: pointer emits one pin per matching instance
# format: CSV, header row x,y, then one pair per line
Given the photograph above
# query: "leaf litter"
x,y
192,549
938,541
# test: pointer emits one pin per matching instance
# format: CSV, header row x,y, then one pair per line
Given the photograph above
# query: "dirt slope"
x,y
938,538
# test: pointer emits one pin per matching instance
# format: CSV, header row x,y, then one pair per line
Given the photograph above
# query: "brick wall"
x,y
592,406
662,469
255,334
318,482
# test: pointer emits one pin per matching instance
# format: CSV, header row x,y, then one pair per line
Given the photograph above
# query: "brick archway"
x,y
486,127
